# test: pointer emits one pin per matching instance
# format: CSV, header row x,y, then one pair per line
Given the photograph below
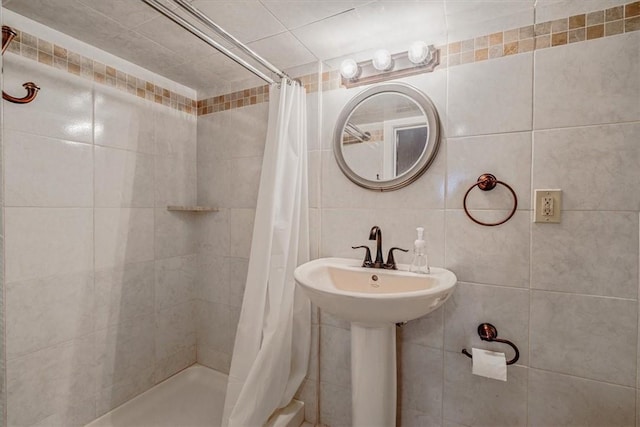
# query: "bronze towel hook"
x,y
8,35
487,182
488,332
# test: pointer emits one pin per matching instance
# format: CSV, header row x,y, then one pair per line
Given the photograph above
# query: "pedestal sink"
x,y
373,300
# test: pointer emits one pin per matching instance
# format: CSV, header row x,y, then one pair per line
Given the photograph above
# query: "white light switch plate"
x,y
548,204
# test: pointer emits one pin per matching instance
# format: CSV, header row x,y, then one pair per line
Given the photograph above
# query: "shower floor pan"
x,y
191,398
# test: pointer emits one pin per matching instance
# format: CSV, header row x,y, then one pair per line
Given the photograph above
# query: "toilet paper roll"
x,y
490,364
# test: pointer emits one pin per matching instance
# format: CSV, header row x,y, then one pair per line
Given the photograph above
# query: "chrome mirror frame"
x,y
429,154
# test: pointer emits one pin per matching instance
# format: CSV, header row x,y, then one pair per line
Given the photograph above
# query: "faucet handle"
x,y
391,262
367,256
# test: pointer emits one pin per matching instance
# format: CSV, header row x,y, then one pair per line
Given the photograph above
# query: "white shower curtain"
x,y
271,351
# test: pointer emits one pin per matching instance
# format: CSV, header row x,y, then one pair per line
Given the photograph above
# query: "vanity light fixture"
x,y
419,52
349,69
420,58
382,60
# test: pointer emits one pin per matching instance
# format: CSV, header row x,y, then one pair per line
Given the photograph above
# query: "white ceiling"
x,y
288,33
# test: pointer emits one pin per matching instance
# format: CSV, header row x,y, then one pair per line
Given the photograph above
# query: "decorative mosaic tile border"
x,y
47,53
242,98
573,29
230,101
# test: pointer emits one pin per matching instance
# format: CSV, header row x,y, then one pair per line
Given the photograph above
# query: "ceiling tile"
x,y
190,75
296,13
146,53
245,20
128,13
70,17
283,51
383,24
224,68
173,37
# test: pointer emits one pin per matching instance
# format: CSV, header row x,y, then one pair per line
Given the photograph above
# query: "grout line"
x,y
530,224
532,368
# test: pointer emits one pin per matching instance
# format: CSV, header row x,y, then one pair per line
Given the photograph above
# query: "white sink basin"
x,y
372,295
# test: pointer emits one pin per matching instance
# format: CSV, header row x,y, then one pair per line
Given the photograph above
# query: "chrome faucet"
x,y
376,234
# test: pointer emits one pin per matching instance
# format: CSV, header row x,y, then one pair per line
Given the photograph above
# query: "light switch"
x,y
547,206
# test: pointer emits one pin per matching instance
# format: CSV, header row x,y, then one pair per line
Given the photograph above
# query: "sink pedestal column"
x,y
373,375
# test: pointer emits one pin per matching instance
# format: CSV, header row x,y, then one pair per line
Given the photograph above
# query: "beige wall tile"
x,y
512,92
124,350
426,331
562,331
42,242
175,280
570,158
589,252
45,312
241,232
574,86
477,401
54,383
123,236
556,399
123,121
123,293
176,233
123,178
421,392
335,357
335,407
244,181
50,172
175,329
481,255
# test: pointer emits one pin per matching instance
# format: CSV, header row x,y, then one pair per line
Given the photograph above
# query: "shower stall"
x,y
126,254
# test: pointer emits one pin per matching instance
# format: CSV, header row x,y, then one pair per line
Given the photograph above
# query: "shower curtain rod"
x,y
227,36
211,42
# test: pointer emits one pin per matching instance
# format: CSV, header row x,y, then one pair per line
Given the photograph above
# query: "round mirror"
x,y
387,136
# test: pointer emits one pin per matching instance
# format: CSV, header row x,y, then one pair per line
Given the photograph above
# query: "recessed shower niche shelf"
x,y
192,209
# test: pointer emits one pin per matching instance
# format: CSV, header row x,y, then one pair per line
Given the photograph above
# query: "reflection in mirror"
x,y
387,136
384,136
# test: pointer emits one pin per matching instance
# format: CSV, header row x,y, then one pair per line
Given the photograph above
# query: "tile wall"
x,y
230,149
99,275
566,294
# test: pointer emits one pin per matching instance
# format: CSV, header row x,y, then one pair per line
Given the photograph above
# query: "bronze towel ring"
x,y
487,182
32,89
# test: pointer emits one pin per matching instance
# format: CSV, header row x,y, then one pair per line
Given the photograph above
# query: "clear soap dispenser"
x,y
419,263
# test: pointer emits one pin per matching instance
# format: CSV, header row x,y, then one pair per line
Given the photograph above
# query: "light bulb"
x,y
349,69
382,60
419,53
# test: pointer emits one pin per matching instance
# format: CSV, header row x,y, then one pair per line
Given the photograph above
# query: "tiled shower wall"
x,y
230,150
99,275
565,117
